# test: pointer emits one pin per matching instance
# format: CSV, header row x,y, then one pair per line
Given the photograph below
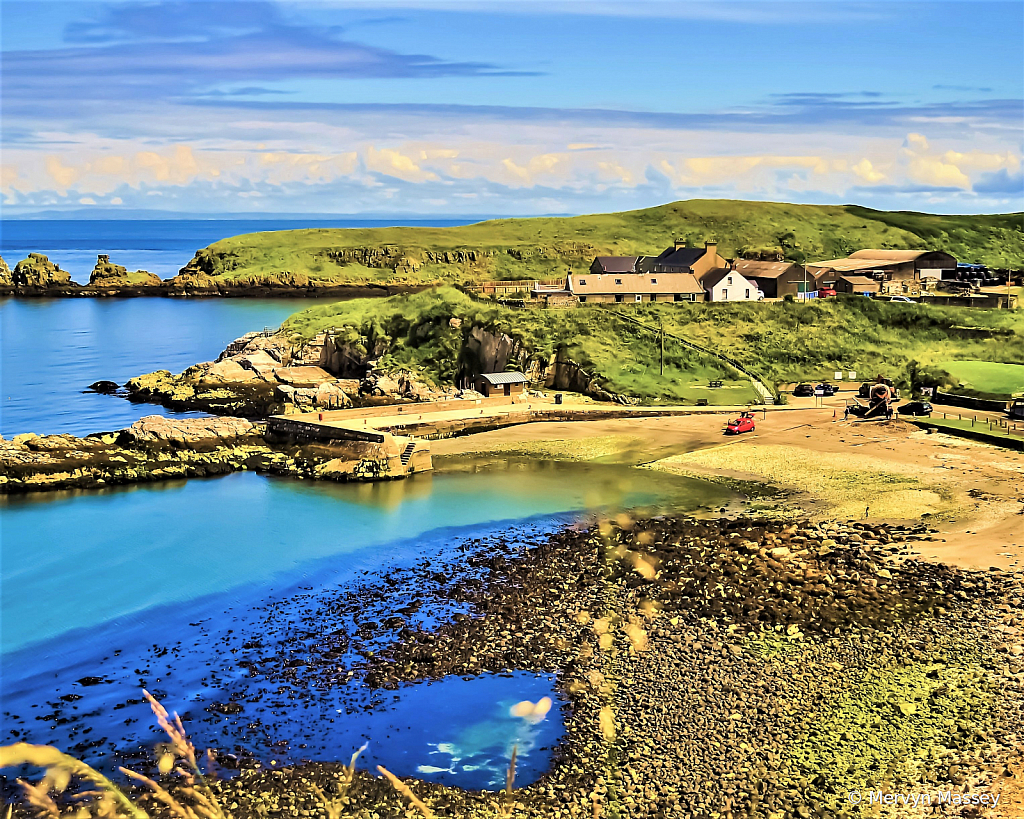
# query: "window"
x,y
729,280
583,281
725,293
654,281
747,296
618,281
639,297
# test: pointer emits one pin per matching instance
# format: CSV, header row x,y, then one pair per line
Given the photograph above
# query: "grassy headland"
x,y
543,248
428,332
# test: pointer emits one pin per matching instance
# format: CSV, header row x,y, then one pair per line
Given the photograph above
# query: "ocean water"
x,y
51,350
162,246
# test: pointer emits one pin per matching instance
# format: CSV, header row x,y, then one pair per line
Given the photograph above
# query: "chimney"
x,y
678,243
711,247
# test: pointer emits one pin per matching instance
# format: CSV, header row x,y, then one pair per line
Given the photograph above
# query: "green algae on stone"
x,y
890,723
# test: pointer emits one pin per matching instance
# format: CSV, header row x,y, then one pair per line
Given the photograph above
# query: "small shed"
x,y
857,284
490,384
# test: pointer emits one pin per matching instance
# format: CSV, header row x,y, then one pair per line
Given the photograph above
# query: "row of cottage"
x,y
682,273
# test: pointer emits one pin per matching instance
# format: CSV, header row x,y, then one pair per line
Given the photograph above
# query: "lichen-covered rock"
x,y
106,274
38,272
6,279
188,430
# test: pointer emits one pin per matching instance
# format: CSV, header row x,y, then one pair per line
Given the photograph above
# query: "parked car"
x,y
803,390
745,423
826,388
826,292
903,299
916,408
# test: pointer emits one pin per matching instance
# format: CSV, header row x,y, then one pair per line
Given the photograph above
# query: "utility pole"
x,y
663,346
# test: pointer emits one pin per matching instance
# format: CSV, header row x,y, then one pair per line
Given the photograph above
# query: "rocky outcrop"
x,y
37,272
6,279
106,274
157,448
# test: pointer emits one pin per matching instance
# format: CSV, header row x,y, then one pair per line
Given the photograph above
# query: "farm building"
x,y
857,284
775,279
682,259
614,264
630,288
728,285
490,384
907,267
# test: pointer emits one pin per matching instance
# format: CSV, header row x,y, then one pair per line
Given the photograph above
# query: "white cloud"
x,y
866,170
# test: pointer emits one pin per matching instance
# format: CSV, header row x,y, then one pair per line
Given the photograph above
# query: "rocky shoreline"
x,y
156,448
37,277
719,668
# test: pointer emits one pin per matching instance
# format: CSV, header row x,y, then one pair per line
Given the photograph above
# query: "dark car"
x,y
803,390
827,389
916,408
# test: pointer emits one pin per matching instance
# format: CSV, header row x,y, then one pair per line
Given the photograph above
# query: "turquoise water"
x,y
75,560
164,586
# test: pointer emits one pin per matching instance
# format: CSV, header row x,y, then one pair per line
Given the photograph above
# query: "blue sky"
x,y
459,108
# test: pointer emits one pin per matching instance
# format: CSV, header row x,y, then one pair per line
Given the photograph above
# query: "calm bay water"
x,y
162,585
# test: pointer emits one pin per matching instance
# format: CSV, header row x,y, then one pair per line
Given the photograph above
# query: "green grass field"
x,y
780,342
989,377
546,247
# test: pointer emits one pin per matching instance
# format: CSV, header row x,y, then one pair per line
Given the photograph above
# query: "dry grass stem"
x,y
45,756
406,791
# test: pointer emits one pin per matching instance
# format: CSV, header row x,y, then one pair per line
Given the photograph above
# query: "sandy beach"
x,y
894,472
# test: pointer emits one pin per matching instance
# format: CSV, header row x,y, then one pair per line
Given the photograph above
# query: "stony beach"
x,y
717,668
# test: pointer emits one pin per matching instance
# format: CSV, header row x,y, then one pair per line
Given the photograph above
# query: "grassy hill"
x,y
781,342
544,247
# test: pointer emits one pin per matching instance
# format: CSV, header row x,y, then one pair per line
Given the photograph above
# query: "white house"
x,y
728,285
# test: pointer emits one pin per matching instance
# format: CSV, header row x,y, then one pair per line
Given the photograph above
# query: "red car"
x,y
745,423
826,292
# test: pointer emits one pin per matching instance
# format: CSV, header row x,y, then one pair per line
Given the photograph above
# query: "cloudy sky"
x,y
442,107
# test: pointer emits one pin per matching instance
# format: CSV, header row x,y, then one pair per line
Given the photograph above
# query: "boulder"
x,y
331,396
151,385
104,387
6,279
157,428
229,371
302,375
260,363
